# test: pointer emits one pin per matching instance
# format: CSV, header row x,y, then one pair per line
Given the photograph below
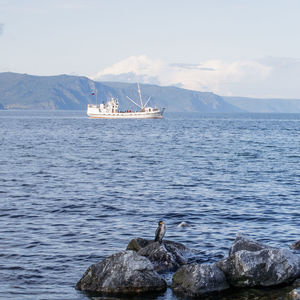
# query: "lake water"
x,y
74,190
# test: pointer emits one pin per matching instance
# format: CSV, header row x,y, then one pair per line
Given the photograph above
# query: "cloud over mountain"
x,y
212,75
266,77
133,69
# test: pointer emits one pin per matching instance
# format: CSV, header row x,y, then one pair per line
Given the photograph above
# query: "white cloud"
x,y
252,78
138,65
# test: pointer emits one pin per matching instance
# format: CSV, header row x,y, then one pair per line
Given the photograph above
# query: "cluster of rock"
x,y
165,257
135,270
139,268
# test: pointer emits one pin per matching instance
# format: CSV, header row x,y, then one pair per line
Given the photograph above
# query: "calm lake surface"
x,y
74,190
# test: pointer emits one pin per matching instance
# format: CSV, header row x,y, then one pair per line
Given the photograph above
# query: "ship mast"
x,y
140,94
141,106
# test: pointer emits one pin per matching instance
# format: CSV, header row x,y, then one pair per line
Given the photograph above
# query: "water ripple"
x,y
75,190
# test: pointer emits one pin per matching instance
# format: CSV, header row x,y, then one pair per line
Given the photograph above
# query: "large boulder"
x,y
266,267
167,256
195,279
243,242
124,272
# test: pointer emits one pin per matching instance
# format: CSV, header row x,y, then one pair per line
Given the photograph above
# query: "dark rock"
x,y
180,248
168,256
266,267
195,279
296,283
243,242
138,243
296,246
162,259
125,272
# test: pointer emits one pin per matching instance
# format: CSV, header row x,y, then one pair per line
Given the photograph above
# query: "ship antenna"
x,y
94,90
140,94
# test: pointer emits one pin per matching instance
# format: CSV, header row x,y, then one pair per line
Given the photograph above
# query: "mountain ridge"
x,y
68,92
23,91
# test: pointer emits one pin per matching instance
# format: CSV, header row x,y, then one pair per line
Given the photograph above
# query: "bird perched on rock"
x,y
160,232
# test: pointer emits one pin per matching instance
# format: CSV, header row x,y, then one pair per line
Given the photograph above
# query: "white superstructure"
x,y
110,110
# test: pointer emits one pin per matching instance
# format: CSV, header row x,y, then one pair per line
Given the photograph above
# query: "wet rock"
x,y
195,279
168,256
296,246
183,224
294,294
243,242
162,259
296,283
124,272
266,267
138,243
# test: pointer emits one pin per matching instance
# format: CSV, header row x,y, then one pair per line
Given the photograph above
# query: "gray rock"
x,y
296,246
294,294
168,256
243,242
195,279
162,259
266,267
124,272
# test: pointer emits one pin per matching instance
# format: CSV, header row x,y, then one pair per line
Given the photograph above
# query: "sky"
x,y
229,47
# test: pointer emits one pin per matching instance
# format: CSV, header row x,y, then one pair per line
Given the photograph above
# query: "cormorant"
x,y
160,232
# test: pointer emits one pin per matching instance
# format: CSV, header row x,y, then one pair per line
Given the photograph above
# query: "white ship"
x,y
110,110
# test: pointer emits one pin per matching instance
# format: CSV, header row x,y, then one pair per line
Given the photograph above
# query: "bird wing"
x,y
157,232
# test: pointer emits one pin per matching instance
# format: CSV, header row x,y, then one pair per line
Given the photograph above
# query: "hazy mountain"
x,y
22,91
265,105
173,98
